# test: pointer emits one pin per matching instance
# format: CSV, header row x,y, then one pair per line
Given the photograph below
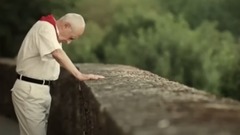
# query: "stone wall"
x,y
129,101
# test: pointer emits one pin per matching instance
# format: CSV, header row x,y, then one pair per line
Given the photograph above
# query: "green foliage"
x,y
230,84
169,47
100,11
224,12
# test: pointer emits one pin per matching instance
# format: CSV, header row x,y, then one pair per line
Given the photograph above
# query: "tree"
x,y
222,12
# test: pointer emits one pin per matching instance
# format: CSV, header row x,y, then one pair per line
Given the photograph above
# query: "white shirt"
x,y
34,57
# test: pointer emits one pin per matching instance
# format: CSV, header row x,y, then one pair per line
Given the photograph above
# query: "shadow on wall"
x,y
8,122
7,79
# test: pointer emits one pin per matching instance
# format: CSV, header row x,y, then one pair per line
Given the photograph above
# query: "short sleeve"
x,y
47,41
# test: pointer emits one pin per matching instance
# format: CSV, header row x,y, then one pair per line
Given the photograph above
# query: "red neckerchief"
x,y
50,18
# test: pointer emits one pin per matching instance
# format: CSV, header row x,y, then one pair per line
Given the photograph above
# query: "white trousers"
x,y
31,104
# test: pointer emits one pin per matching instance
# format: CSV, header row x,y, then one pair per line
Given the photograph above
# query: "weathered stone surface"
x,y
129,101
142,103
